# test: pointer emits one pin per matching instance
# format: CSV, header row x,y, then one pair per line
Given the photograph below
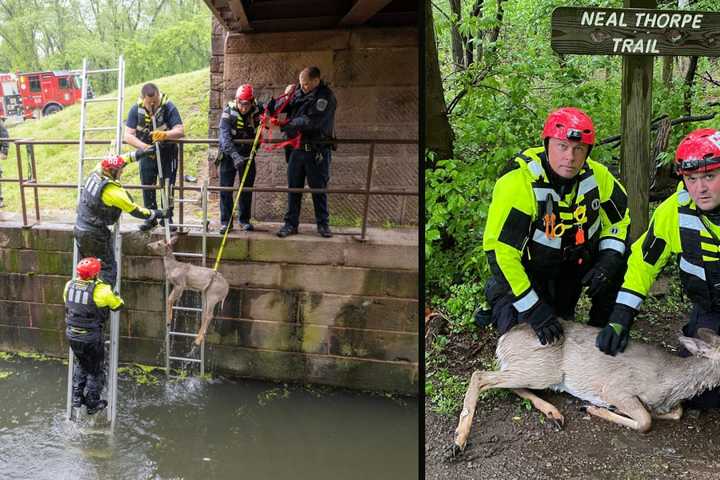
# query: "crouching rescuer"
x,y
88,301
102,200
557,223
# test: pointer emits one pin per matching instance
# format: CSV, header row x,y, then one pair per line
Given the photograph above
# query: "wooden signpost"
x,y
638,34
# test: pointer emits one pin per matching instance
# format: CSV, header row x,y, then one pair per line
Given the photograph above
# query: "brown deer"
x,y
643,382
212,285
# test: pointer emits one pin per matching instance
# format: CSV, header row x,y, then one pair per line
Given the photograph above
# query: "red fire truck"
x,y
10,100
45,93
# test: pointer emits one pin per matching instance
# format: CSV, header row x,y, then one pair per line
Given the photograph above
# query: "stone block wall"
x,y
374,74
333,312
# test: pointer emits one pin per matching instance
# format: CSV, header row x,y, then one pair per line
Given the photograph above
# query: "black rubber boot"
x,y
78,399
94,403
287,230
324,231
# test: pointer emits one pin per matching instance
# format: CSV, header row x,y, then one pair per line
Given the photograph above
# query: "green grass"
x,y
58,163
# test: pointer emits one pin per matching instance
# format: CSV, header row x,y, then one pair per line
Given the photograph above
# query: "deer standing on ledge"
x,y
643,382
212,285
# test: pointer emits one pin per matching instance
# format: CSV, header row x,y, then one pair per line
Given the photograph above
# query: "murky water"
x,y
196,429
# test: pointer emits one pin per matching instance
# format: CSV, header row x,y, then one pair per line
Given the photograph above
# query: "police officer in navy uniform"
x,y
239,120
140,134
88,302
102,201
311,113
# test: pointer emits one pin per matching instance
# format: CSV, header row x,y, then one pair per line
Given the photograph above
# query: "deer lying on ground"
x,y
212,285
643,382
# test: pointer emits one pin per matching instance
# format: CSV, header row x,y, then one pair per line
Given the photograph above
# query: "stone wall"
x,y
374,74
333,312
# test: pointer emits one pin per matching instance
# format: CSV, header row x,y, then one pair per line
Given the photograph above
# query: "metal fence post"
x,y
368,184
33,176
21,184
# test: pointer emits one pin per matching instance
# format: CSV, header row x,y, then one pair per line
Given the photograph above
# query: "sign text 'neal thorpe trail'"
x,y
635,32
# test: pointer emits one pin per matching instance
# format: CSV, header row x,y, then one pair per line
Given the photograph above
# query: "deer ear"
x,y
696,346
173,240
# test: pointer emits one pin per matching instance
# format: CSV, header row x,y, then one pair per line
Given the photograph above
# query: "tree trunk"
x,y
438,134
458,54
690,82
478,12
667,71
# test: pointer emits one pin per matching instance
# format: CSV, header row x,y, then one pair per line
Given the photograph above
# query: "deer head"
x,y
161,247
707,344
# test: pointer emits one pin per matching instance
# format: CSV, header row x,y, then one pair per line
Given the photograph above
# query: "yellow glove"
x,y
159,136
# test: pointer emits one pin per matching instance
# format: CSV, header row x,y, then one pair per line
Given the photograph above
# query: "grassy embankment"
x,y
58,163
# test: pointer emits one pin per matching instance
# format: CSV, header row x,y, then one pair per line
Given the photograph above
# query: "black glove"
x,y
601,275
143,153
614,337
238,160
543,320
289,130
271,105
166,213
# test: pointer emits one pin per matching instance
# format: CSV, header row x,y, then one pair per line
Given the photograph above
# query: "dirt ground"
x,y
508,441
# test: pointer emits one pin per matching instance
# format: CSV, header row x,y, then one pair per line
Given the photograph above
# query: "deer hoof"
x,y
454,451
556,418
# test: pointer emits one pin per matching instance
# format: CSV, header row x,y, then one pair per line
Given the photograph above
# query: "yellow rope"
x,y
237,197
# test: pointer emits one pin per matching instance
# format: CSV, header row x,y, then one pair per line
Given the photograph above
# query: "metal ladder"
x,y
114,334
172,329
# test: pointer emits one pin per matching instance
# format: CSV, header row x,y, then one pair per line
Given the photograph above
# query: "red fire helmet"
x,y
244,93
113,162
88,268
569,123
699,151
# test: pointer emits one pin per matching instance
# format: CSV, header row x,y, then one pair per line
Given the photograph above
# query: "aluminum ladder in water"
x,y
172,328
112,344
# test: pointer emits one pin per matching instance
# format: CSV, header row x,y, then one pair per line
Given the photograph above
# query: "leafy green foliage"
x,y
157,37
445,391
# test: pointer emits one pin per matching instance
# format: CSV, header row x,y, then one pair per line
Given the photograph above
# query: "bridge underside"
x,y
368,53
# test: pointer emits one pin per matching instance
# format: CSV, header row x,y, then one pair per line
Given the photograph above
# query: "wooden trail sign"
x,y
626,31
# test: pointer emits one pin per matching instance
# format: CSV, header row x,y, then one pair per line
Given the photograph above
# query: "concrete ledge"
x,y
385,249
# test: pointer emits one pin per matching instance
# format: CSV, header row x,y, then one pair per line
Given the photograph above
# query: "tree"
x,y
438,134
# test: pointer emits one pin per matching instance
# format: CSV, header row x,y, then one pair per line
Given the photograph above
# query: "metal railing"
x,y
367,190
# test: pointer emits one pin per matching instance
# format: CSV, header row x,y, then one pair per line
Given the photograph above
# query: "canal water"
x,y
202,429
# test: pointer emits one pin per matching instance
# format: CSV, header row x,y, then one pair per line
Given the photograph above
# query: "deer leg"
x,y
479,382
466,416
639,418
175,293
207,315
674,414
547,408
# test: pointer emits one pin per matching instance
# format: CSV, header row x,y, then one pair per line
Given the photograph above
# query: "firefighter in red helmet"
x,y
239,121
686,227
102,200
88,301
557,223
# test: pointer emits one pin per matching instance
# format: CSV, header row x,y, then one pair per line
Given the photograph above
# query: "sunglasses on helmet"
x,y
574,134
691,165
